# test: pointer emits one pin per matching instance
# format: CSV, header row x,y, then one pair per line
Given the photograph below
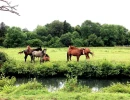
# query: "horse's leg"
x,y
41,60
78,58
70,57
67,57
87,56
25,57
32,58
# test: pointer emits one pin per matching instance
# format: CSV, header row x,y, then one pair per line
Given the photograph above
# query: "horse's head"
x,y
82,51
44,51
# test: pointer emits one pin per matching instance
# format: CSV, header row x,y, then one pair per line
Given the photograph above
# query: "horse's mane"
x,y
28,48
72,47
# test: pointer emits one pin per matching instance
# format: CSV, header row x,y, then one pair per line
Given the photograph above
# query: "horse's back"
x,y
37,53
74,51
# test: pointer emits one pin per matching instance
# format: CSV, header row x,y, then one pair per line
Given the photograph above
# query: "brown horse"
x,y
87,52
45,58
29,51
74,51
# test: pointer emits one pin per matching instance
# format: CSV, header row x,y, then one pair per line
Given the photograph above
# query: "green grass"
x,y
117,54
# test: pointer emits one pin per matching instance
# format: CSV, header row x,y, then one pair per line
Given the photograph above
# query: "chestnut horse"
x,y
87,52
45,58
29,51
74,51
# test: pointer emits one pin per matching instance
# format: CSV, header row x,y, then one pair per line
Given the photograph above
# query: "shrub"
x,y
34,42
72,85
3,58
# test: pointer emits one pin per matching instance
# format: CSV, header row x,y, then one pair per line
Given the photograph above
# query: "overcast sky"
x,y
75,12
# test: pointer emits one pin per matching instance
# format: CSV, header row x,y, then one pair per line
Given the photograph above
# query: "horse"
x,y
29,51
87,52
45,58
74,51
38,54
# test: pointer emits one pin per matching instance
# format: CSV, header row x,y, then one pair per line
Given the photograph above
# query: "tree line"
x,y
62,34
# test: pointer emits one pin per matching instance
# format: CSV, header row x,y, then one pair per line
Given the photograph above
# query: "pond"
x,y
54,84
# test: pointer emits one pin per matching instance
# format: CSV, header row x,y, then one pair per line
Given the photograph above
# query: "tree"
x,y
89,27
109,34
66,39
66,27
14,37
3,30
8,7
55,28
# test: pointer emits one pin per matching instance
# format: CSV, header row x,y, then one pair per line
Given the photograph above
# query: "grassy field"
x,y
117,54
114,54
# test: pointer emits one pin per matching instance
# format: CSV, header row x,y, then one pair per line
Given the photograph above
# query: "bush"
x,y
3,58
34,42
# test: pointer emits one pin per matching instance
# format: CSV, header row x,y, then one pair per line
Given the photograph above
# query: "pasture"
x,y
114,54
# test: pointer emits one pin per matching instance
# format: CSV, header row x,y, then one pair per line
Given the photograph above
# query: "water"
x,y
54,84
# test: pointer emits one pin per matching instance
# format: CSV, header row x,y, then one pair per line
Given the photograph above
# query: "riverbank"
x,y
34,90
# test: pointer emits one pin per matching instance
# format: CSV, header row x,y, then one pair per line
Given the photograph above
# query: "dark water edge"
x,y
56,83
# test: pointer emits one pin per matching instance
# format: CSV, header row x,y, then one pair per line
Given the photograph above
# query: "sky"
x,y
75,12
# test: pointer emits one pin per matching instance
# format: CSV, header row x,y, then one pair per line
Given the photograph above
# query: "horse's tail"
x,y
91,53
20,52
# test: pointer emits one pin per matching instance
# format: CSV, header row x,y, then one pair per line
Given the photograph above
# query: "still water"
x,y
54,84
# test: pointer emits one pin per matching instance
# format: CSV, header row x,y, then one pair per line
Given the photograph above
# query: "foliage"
x,y
3,58
66,39
59,34
34,42
6,81
118,87
14,37
72,85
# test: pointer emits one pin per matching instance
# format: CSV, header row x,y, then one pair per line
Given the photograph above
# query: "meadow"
x,y
117,54
35,91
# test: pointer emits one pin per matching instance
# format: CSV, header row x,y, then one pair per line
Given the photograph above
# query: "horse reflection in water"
x,y
74,51
29,51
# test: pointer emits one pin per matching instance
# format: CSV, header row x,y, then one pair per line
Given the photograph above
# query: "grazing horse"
x,y
87,52
45,58
29,51
38,54
74,51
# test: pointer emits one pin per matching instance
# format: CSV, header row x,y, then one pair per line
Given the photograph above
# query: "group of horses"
x,y
38,52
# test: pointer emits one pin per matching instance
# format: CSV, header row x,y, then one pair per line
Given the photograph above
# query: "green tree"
x,y
31,35
14,37
78,29
89,27
121,36
3,30
66,39
109,34
55,28
66,27
34,42
41,31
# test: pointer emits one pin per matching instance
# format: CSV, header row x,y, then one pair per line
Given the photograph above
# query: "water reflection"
x,y
54,84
